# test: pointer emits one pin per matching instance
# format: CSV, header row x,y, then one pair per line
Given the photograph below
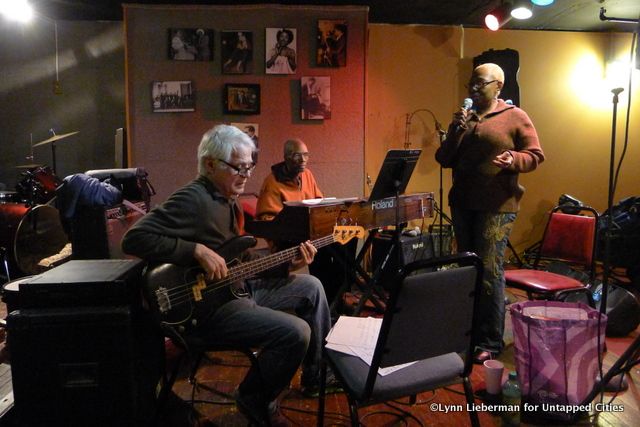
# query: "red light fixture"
x,y
498,17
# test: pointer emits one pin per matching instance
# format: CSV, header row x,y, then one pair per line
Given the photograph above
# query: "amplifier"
x,y
84,282
414,248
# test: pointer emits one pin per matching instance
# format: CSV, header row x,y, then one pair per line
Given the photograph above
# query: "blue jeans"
x,y
285,340
486,234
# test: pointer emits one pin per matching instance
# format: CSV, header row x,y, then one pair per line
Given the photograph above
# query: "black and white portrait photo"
x,y
191,44
172,96
237,52
280,51
315,97
331,50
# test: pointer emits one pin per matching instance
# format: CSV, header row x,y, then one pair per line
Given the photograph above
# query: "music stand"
x,y
392,180
394,175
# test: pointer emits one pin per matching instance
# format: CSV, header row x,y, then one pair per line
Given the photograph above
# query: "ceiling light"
x,y
522,10
498,17
17,10
542,2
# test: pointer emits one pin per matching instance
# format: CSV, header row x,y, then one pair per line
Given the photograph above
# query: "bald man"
x,y
289,180
488,146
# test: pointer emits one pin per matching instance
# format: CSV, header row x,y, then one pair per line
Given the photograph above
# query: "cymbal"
x,y
55,138
31,166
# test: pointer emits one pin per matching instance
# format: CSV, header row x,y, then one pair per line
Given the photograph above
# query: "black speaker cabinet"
x,y
73,366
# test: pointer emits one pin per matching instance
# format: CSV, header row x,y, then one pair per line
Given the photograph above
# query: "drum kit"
x,y
30,227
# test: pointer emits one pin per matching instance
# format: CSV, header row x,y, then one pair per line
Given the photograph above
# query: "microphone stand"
x,y
631,356
407,144
607,235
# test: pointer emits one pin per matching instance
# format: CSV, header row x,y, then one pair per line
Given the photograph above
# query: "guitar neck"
x,y
251,268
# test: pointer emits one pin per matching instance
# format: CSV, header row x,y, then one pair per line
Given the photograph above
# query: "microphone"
x,y
467,104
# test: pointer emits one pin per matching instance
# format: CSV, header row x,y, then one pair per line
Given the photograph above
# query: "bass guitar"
x,y
180,296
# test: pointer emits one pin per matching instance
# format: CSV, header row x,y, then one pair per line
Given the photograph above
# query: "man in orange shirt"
x,y
291,180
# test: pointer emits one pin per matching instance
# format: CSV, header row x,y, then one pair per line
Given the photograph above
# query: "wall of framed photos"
x,y
184,75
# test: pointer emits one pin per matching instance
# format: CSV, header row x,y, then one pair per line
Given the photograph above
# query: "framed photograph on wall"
x,y
237,52
315,97
241,98
280,51
253,130
172,96
191,44
331,48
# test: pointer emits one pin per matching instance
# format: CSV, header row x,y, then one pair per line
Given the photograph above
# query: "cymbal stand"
x,y
53,153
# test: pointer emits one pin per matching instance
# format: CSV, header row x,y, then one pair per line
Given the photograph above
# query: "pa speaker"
x,y
623,311
76,367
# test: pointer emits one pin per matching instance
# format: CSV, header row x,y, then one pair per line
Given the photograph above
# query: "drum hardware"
x,y
9,197
5,263
28,166
38,186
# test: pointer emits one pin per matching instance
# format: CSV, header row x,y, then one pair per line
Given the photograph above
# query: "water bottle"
x,y
511,397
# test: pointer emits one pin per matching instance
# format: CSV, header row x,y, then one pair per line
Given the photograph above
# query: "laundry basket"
x,y
556,346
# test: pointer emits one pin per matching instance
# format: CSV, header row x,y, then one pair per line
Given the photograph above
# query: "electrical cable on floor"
x,y
417,403
328,415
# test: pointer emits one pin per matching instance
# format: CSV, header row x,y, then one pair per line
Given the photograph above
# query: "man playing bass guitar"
x,y
191,227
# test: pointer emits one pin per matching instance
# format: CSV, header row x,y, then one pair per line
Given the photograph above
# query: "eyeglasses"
x,y
299,156
479,84
240,170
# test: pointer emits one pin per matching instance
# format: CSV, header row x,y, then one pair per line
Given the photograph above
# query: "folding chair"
x,y
429,321
568,238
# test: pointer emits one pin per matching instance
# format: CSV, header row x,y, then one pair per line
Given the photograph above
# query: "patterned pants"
x,y
486,234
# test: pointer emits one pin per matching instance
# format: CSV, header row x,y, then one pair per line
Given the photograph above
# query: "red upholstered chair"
x,y
249,202
568,238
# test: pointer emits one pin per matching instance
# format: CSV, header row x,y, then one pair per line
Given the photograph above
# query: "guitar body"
x,y
174,293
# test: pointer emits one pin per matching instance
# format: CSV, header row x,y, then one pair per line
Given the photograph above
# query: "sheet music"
x,y
322,201
357,336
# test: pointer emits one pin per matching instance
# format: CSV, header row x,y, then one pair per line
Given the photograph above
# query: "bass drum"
x,y
30,234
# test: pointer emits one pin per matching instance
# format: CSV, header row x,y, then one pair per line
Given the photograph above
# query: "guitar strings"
x,y
245,270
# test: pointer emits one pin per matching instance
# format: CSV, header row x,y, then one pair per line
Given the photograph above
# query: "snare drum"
x,y
30,234
11,293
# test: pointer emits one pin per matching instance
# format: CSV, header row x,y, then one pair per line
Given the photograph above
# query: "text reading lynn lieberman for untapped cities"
x,y
528,407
